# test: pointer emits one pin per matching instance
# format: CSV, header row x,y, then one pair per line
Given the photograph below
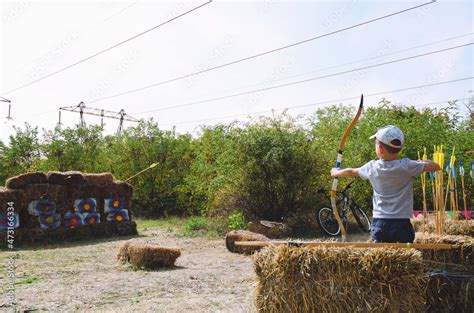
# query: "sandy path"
x,y
86,276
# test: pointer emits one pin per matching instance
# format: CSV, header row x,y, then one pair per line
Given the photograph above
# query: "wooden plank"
x,y
432,246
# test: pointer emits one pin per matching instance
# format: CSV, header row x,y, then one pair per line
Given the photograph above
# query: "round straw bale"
x,y
66,178
22,180
99,178
270,229
242,235
147,255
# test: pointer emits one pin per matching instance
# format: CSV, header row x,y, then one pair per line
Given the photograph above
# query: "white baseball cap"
x,y
388,134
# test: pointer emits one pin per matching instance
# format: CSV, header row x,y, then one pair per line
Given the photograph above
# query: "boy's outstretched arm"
x,y
344,172
430,166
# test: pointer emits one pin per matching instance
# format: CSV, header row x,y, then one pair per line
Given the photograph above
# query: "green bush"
x,y
237,221
195,223
269,168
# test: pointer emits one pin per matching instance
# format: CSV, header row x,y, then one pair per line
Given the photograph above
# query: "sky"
x,y
41,37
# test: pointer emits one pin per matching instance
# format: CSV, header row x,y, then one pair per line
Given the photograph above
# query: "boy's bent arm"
x,y
346,172
431,166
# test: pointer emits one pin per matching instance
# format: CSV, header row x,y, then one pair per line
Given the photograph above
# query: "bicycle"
x,y
327,221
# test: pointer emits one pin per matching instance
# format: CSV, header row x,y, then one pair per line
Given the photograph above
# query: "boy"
x,y
392,182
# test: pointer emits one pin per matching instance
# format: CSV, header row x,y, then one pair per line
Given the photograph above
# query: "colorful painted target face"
x,y
114,205
9,220
92,218
88,205
42,207
50,221
72,220
118,216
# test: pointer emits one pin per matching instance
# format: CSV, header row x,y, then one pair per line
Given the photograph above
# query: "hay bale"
x,y
462,255
22,180
450,286
449,291
242,235
99,179
292,279
11,195
461,227
66,178
272,230
120,189
147,255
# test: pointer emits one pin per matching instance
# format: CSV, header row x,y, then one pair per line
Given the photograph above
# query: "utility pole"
x,y
82,109
9,117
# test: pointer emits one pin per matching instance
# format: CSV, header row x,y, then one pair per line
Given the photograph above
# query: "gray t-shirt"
x,y
392,182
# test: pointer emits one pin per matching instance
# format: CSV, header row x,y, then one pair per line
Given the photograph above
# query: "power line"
x,y
344,64
105,50
261,54
301,81
288,108
321,69
330,101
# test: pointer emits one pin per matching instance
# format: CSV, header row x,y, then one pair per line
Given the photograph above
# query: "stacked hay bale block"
x,y
462,227
59,193
322,279
450,285
147,255
307,279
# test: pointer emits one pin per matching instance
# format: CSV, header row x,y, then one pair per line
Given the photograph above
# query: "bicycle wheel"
x,y
362,219
327,221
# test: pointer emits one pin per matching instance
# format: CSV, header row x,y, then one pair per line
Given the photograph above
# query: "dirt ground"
x,y
86,276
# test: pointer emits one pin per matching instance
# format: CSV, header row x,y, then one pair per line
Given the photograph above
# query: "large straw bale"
x,y
242,235
22,180
462,254
99,179
322,279
461,227
147,255
11,196
449,291
119,189
66,178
